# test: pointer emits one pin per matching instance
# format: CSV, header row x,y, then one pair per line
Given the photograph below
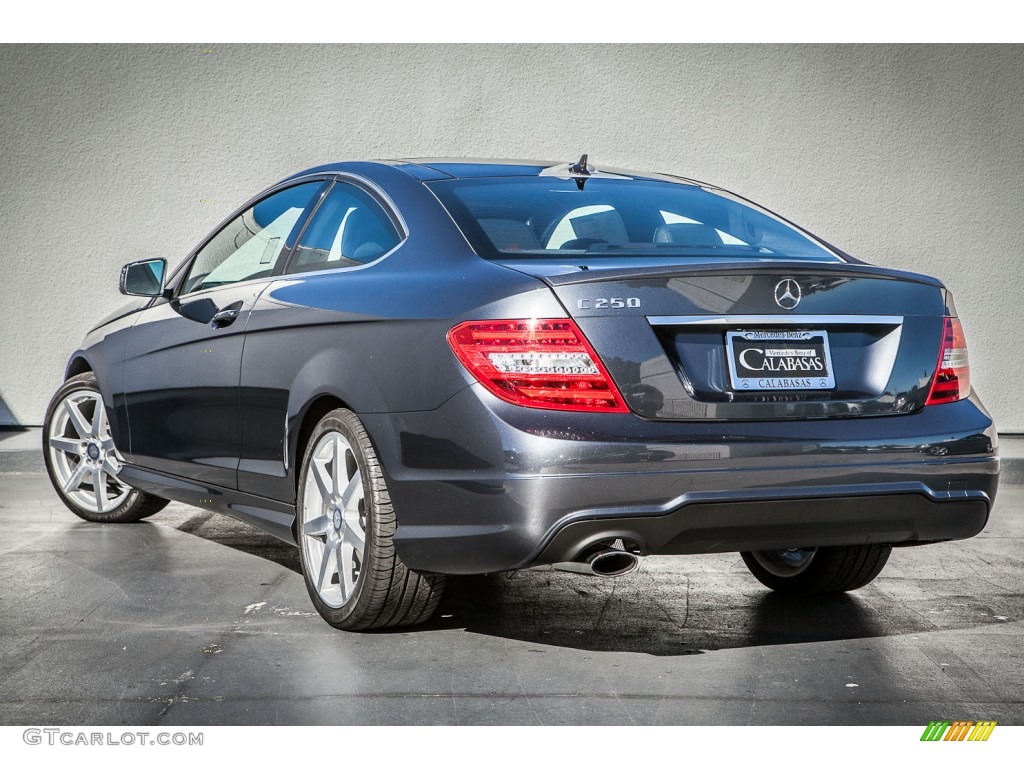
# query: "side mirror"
x,y
143,278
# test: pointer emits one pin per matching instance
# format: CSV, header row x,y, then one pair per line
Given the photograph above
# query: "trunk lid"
x,y
753,340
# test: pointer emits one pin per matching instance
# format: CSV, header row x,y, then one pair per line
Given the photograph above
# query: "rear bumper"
x,y
481,486
697,526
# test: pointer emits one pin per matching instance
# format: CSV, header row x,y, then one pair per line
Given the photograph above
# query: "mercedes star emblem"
x,y
787,293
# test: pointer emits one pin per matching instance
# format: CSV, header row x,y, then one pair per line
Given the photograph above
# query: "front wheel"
x,y
817,570
346,524
82,461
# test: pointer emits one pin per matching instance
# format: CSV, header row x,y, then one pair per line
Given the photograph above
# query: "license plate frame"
x,y
792,362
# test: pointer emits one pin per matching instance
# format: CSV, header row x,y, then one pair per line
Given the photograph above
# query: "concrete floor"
x,y
191,619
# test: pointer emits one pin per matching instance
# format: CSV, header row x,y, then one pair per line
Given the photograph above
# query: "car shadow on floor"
x,y
228,532
655,611
648,617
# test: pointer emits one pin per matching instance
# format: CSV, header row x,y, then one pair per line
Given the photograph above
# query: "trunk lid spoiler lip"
x,y
718,268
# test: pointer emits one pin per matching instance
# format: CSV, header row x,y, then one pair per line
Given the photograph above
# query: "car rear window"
x,y
547,216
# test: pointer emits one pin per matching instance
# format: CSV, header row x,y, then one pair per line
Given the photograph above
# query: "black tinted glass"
x,y
250,245
537,217
350,228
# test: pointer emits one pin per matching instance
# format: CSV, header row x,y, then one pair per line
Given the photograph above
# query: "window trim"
x,y
376,194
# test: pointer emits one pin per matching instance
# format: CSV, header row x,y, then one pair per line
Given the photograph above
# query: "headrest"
x,y
687,234
510,234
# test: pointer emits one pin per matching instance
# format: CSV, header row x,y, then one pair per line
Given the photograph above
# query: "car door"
x,y
183,358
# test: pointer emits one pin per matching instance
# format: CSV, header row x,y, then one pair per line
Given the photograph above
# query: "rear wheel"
x,y
817,570
82,461
346,524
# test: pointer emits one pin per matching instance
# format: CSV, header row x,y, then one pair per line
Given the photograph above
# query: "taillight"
x,y
953,375
536,363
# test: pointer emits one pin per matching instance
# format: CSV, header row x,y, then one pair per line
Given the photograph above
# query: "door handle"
x,y
224,318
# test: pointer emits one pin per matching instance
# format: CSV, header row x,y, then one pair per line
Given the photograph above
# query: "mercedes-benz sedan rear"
x,y
451,367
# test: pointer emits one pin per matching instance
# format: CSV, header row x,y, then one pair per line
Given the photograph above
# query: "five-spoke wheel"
x,y
334,531
82,460
346,525
83,455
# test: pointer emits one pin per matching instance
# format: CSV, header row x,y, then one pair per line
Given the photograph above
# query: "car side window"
x,y
349,229
250,245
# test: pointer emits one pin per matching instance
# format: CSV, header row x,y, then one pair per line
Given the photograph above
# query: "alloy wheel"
x,y
82,453
334,524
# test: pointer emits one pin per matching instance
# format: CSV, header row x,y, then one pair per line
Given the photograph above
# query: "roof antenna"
x,y
580,167
580,170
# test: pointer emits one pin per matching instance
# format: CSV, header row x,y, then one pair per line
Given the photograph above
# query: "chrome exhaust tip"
x,y
613,562
608,563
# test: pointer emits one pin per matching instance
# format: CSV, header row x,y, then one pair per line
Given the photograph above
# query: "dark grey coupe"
x,y
428,367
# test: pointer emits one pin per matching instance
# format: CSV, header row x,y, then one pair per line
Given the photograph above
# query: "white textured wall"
x,y
909,157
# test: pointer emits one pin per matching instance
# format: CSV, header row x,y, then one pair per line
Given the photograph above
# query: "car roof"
x,y
440,168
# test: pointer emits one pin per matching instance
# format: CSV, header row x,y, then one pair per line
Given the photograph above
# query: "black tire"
x,y
134,507
829,570
386,592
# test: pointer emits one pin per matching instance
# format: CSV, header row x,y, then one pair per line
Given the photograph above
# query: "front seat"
x,y
365,237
